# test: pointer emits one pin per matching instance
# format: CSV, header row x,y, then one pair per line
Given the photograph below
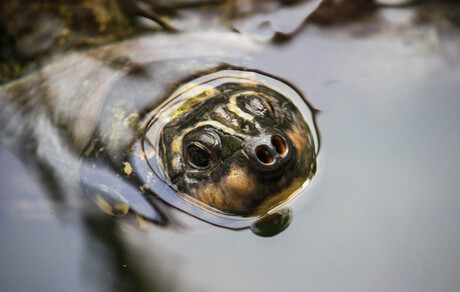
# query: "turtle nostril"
x,y
263,154
279,144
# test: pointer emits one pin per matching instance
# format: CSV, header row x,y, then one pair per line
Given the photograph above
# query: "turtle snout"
x,y
269,153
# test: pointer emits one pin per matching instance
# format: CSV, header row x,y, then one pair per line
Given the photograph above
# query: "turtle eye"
x,y
202,148
255,104
198,156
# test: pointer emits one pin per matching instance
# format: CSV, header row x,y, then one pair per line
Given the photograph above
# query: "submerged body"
x,y
88,129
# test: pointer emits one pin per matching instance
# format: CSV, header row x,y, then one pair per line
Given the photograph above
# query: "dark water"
x,y
381,214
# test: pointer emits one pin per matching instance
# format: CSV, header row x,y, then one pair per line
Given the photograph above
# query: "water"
x,y
385,209
381,214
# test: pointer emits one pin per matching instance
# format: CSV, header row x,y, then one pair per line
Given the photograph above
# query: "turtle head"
x,y
235,145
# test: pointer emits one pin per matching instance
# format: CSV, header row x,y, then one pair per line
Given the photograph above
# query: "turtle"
x,y
138,125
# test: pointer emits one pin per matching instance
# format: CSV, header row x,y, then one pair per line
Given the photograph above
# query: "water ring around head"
x,y
232,147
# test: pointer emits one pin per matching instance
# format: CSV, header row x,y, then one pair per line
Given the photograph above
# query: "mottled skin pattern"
x,y
228,123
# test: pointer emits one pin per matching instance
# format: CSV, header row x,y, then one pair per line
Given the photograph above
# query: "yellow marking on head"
x,y
176,144
208,195
239,182
233,192
217,125
224,116
234,108
200,94
127,169
299,137
283,197
175,162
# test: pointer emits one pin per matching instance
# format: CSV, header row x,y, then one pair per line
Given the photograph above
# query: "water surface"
x,y
382,213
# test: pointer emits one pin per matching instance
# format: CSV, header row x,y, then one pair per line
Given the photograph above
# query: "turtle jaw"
x,y
240,189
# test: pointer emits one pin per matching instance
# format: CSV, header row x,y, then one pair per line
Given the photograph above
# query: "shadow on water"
x,y
47,245
111,263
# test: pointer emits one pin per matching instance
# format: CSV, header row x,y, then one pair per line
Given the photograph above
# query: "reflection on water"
x,y
385,208
114,265
46,247
33,31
